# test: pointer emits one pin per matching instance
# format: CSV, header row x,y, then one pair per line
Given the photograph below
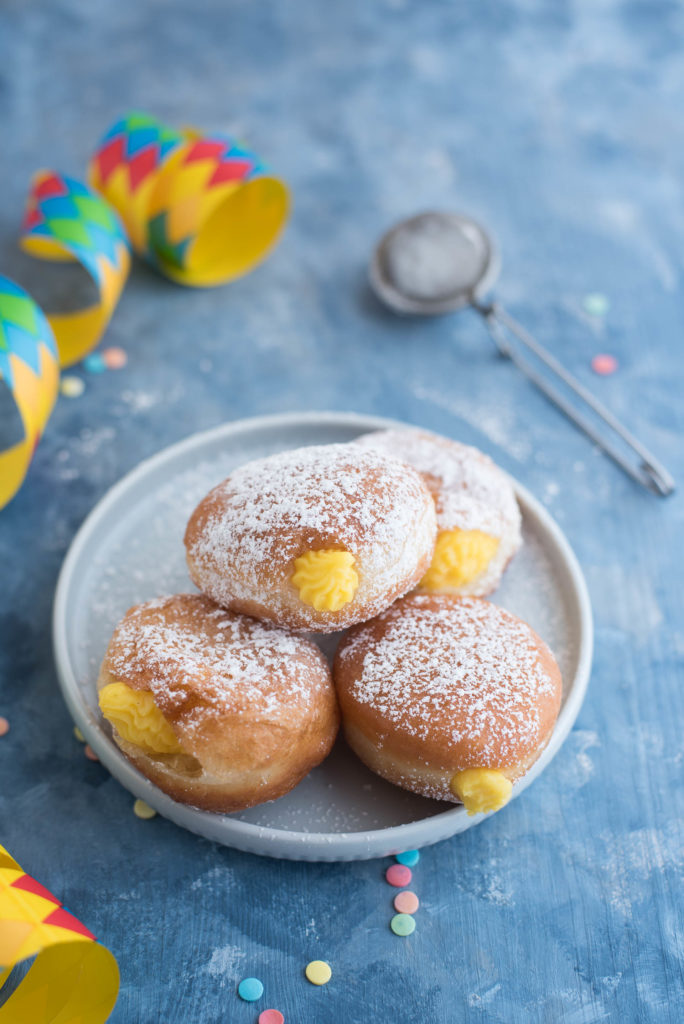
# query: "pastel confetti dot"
x,y
94,363
143,810
114,357
399,875
604,364
406,902
4,726
90,753
71,387
596,304
250,989
402,924
318,972
410,858
271,1017
79,735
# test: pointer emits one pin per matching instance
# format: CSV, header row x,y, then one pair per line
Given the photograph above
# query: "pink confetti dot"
x,y
90,753
114,358
406,902
271,1017
399,875
4,726
604,364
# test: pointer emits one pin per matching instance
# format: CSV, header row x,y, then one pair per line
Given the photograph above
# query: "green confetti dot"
x,y
596,304
402,924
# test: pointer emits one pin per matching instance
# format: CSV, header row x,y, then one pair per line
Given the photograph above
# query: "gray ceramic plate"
x,y
130,548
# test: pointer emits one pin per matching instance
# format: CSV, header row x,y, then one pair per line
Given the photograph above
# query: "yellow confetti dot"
x,y
318,972
71,387
79,735
143,810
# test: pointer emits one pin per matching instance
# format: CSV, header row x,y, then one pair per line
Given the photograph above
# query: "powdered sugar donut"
x,y
477,513
315,538
218,710
453,698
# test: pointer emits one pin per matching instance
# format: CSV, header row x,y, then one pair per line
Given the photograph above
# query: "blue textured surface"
x,y
557,123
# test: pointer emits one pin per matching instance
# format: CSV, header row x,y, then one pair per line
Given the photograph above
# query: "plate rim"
x,y
264,839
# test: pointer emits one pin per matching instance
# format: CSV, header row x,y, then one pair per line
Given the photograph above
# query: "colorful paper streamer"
x,y
65,220
202,209
29,365
73,979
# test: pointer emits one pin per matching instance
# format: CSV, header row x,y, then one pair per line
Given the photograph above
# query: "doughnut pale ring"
x,y
218,710
453,698
477,513
315,539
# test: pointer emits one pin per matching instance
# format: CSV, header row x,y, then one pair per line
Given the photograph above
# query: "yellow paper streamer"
x,y
29,366
202,209
64,220
73,980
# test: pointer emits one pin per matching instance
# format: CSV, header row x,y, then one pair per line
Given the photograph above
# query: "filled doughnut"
x,y
314,538
453,698
218,710
478,518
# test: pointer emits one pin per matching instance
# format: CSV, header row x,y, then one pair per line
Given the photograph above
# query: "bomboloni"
x,y
315,538
453,698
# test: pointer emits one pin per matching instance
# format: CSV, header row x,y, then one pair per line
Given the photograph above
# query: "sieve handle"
x,y
647,470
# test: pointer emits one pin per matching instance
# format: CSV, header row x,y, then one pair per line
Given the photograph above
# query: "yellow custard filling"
x,y
137,719
481,790
326,580
460,557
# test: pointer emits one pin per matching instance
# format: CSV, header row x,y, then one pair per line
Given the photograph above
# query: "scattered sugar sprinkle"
x,y
406,902
271,1017
604,364
403,924
115,358
398,875
94,363
410,858
250,989
596,304
143,810
71,387
318,972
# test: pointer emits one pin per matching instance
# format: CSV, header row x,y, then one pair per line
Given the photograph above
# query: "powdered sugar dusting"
x,y
463,667
270,511
199,660
139,554
470,491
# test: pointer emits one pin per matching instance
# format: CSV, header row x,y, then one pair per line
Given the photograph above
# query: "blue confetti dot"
x,y
250,989
94,363
409,859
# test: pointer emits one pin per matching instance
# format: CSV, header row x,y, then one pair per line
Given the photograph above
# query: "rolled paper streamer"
x,y
66,220
29,366
201,208
73,977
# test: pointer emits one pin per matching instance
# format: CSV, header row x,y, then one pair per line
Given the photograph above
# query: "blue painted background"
x,y
560,125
